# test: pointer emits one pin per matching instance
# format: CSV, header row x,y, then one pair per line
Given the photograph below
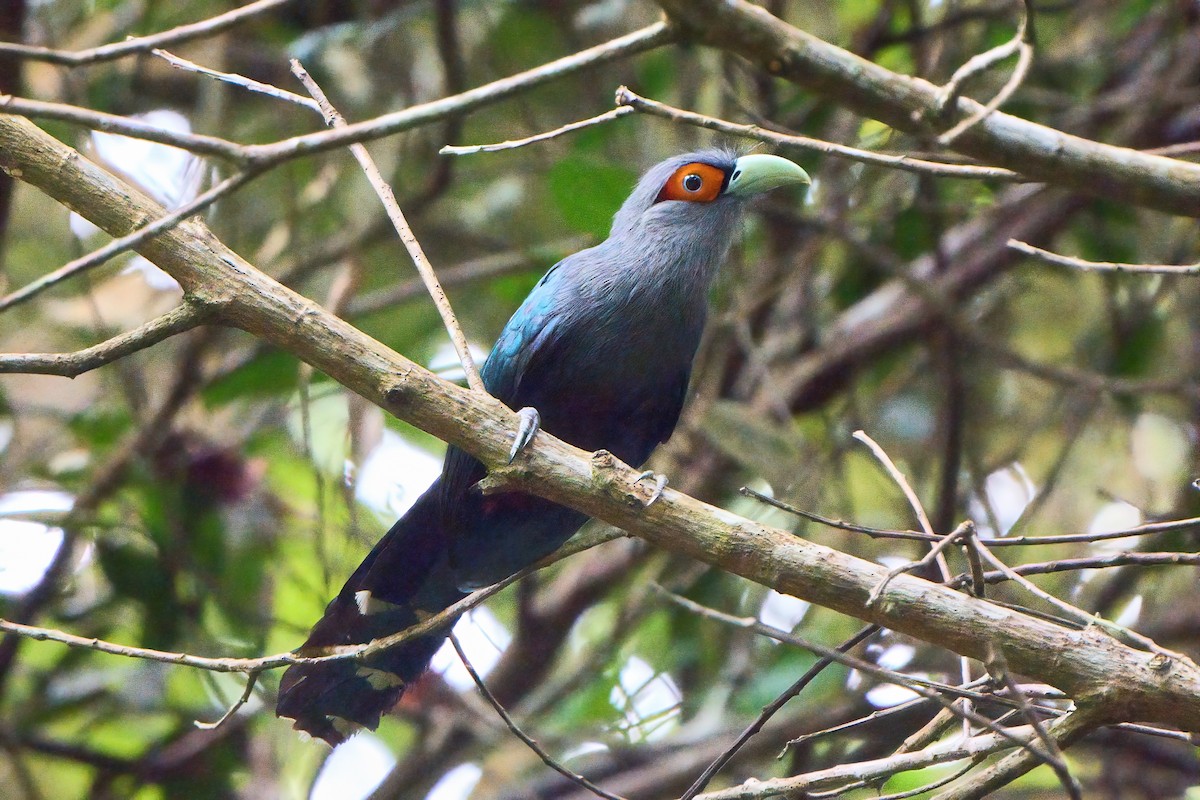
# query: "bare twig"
x,y
936,551
1021,44
1107,561
487,266
251,680
541,753
963,532
929,689
142,44
388,198
512,144
182,318
937,784
1166,526
249,84
874,770
881,533
899,479
275,153
1065,730
639,41
197,143
874,716
997,666
1102,266
129,241
771,709
627,98
257,159
336,653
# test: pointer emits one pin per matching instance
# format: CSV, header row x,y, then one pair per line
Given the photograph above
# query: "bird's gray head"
x,y
701,193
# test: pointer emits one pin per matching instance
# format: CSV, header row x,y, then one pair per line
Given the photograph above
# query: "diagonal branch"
x,y
1086,664
69,365
388,198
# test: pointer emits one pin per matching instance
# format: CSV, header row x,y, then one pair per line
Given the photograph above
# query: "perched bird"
x,y
602,348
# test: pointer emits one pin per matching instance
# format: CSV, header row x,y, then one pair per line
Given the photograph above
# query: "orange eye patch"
x,y
696,182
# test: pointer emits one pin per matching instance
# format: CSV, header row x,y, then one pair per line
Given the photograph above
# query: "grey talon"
x,y
660,483
530,424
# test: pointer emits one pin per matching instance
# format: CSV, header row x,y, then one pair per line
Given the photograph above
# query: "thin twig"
x,y
898,477
939,557
197,143
512,144
874,770
937,784
1065,730
625,97
1102,266
334,653
1166,526
274,153
249,84
141,44
129,241
963,532
1118,632
69,365
475,269
881,533
546,758
388,198
251,680
932,690
771,709
1111,560
876,715
257,159
648,38
997,666
1021,44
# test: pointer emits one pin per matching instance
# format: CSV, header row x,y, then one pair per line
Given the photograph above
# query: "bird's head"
x,y
701,193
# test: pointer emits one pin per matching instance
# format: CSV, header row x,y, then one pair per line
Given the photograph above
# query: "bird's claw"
x,y
660,483
530,423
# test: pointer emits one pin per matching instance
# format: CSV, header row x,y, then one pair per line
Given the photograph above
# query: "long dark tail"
x,y
404,579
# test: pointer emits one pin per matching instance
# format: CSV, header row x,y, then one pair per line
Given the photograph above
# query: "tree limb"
x,y
911,105
1088,664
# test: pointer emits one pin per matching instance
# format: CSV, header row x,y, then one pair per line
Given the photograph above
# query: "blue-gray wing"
x,y
531,329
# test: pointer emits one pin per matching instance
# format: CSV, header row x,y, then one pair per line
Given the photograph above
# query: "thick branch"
x,y
1087,664
912,105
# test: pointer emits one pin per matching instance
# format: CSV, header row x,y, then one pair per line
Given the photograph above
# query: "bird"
x,y
599,354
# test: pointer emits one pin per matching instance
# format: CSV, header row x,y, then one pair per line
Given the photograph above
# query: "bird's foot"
x,y
660,483
530,423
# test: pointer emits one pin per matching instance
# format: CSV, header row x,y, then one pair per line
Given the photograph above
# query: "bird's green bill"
x,y
759,172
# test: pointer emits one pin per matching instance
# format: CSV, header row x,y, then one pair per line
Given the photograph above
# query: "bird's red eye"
x,y
697,183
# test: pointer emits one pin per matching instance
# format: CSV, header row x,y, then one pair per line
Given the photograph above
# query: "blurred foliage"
x,y
218,526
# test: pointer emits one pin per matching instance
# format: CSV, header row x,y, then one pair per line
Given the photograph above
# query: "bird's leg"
x,y
660,483
530,423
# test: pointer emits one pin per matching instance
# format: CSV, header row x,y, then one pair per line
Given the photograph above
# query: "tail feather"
x,y
403,580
